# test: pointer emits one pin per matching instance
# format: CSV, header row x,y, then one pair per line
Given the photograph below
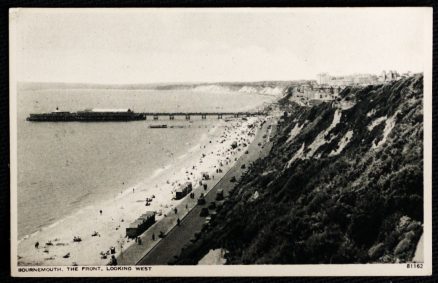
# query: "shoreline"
x,y
156,173
166,250
123,209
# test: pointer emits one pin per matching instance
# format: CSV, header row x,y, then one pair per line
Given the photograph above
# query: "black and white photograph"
x,y
221,141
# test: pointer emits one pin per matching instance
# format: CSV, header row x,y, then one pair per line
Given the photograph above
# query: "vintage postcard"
x,y
221,142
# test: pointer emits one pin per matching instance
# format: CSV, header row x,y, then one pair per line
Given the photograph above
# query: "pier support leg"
x,y
204,117
155,117
219,116
171,117
187,117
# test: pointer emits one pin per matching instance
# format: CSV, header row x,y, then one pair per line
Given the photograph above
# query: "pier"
x,y
203,115
124,115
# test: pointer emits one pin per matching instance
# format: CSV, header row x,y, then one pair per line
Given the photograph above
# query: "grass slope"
x,y
364,204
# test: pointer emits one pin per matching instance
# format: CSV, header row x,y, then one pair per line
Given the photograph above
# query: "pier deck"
x,y
203,115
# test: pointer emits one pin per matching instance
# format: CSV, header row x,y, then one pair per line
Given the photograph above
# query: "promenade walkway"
x,y
134,253
170,247
161,251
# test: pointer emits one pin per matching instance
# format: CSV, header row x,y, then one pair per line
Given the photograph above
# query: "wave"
x,y
81,198
158,171
46,226
182,156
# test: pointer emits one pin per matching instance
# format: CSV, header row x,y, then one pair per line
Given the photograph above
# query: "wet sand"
x,y
101,231
165,250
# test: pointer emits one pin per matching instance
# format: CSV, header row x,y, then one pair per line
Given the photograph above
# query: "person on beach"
x,y
153,236
178,222
100,212
37,244
113,260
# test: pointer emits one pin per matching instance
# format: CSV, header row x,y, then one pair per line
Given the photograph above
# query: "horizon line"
x,y
158,83
201,82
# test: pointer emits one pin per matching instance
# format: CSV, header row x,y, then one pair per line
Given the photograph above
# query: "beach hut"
x,y
140,225
179,193
148,219
133,230
183,190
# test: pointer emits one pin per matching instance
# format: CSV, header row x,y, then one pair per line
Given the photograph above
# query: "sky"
x,y
211,45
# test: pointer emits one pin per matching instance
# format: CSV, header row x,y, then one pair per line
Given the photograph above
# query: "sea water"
x,y
65,166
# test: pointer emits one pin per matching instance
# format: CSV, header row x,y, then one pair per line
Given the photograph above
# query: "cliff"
x,y
343,183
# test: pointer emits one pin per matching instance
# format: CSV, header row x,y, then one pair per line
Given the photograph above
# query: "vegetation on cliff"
x,y
343,183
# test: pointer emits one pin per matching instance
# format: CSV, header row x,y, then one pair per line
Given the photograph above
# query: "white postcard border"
x,y
232,270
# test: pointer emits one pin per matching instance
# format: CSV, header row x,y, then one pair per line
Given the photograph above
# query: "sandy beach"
x,y
166,250
101,231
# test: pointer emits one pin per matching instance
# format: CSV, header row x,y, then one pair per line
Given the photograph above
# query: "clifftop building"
x,y
391,76
359,79
317,92
323,78
328,87
356,79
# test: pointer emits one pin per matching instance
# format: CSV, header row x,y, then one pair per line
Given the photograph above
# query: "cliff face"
x,y
343,183
258,89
